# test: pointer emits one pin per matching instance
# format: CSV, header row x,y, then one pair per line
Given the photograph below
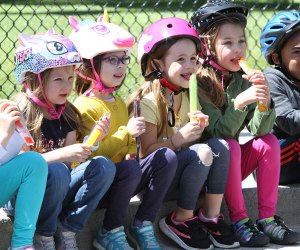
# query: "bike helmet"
x,y
94,38
277,31
159,32
37,53
211,13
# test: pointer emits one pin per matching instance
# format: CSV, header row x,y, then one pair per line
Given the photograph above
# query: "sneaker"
x,y
277,231
248,234
43,243
188,234
66,241
113,239
220,233
143,237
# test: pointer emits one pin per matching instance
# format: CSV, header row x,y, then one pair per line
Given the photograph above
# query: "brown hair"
x,y
81,83
153,85
208,78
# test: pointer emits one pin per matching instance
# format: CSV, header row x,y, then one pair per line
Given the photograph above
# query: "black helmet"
x,y
213,12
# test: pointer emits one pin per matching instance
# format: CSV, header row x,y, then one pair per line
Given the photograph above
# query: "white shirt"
x,y
12,149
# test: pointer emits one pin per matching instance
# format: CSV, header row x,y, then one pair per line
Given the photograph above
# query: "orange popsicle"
x,y
262,106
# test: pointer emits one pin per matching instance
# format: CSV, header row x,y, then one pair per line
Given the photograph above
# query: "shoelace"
x,y
69,240
121,240
279,221
149,237
48,243
248,230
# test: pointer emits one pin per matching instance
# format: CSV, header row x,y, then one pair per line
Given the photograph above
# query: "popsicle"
x,y
23,130
93,137
262,106
137,113
193,95
95,133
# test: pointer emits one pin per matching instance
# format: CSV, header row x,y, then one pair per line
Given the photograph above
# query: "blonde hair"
x,y
208,78
33,113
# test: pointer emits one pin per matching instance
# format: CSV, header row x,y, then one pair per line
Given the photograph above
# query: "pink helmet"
x,y
162,30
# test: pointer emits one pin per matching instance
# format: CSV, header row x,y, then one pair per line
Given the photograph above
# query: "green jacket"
x,y
228,122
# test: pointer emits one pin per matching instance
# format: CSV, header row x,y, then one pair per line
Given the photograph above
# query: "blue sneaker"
x,y
143,236
113,239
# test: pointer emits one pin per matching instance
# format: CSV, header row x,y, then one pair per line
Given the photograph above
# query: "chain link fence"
x,y
38,16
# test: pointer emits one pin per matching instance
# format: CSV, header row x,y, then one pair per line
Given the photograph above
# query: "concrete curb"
x,y
288,201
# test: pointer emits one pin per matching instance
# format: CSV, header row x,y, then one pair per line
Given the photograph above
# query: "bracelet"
x,y
171,140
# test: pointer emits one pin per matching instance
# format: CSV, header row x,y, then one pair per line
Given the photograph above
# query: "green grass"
x,y
19,18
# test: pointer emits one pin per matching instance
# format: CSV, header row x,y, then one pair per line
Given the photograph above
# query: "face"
x,y
290,55
180,62
230,46
113,68
59,84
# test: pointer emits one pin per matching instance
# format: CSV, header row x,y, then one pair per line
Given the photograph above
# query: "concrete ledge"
x,y
287,207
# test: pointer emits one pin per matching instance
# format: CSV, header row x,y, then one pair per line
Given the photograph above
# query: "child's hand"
x,y
130,156
9,114
201,118
104,126
189,133
76,152
136,126
259,91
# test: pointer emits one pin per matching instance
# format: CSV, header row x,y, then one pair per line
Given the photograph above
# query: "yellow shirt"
x,y
149,110
118,142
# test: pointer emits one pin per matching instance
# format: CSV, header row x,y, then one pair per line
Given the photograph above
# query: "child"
x,y
280,41
22,175
167,51
230,99
105,48
45,65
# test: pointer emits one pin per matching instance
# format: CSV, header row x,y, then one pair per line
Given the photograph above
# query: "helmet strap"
x,y
98,84
54,114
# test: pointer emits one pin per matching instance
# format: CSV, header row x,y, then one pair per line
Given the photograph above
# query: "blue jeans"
x,y
73,196
25,178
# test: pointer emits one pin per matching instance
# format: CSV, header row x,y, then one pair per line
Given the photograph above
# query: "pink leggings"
x,y
262,154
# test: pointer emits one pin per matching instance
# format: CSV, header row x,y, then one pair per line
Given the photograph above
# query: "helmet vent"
x,y
169,25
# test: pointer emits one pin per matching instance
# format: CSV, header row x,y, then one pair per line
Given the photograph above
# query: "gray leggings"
x,y
205,163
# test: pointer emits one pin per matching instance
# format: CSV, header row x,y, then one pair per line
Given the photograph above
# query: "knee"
x,y
101,168
270,143
36,163
168,159
59,177
205,155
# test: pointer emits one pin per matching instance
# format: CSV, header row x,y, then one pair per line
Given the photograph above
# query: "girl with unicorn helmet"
x,y
105,49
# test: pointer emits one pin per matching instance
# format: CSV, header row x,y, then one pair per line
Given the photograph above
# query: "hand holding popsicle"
x,y
262,106
98,132
11,109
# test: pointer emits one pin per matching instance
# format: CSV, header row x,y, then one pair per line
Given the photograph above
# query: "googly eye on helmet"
x,y
277,31
93,38
161,31
39,52
213,12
